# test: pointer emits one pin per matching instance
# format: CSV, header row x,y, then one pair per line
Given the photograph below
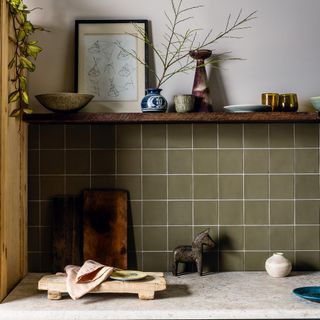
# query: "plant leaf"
x,y
14,96
15,113
33,50
21,35
12,62
27,64
27,110
25,97
23,82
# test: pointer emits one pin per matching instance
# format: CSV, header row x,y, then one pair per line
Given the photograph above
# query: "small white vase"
x,y
278,265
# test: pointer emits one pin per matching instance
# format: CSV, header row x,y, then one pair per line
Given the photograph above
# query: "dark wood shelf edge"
x,y
212,117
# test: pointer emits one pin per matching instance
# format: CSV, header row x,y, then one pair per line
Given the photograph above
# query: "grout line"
x,y
269,192
192,182
243,197
167,184
294,197
218,194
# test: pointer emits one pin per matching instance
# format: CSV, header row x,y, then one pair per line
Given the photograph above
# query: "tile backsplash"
x,y
256,186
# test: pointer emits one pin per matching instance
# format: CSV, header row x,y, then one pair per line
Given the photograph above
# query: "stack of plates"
x,y
247,108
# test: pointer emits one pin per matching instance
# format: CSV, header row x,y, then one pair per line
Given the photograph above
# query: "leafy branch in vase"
x,y
174,54
24,49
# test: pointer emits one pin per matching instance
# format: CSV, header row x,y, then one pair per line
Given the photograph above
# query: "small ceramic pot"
x,y
184,102
153,101
278,265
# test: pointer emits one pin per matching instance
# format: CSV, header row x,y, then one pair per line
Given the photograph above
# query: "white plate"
x,y
247,108
127,275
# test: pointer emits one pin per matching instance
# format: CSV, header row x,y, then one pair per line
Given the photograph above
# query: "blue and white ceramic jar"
x,y
153,101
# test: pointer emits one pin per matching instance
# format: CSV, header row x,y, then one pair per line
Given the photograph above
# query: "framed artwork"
x,y
104,66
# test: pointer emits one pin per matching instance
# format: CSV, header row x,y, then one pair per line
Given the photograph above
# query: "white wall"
x,y
281,50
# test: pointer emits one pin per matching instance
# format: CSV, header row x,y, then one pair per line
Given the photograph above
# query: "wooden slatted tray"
x,y
146,288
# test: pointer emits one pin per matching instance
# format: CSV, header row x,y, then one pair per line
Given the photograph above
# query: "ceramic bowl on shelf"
x,y
315,102
64,101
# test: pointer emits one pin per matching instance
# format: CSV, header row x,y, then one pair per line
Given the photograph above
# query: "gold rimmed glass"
x,y
270,99
288,102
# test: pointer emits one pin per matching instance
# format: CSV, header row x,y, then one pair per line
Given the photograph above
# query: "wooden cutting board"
x,y
105,226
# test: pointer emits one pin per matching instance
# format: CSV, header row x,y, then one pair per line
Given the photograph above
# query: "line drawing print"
x,y
110,72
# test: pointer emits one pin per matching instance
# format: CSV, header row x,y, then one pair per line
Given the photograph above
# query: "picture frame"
x,y
104,66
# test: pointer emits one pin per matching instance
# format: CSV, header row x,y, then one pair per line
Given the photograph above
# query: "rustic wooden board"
x,y
105,227
67,232
155,281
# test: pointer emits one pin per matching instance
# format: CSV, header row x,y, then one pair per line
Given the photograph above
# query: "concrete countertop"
x,y
227,295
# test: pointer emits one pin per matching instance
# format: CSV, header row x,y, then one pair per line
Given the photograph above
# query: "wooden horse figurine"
x,y
191,254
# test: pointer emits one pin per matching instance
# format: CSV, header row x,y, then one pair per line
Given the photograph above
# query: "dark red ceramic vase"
x,y
200,87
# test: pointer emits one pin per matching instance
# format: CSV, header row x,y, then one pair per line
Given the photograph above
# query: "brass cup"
x,y
288,102
270,99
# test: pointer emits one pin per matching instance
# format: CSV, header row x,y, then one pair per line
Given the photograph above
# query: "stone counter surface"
x,y
227,295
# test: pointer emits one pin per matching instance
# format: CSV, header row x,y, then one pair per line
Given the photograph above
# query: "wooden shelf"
x,y
213,117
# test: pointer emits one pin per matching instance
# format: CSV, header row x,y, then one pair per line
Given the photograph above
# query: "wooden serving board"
x,y
105,227
146,288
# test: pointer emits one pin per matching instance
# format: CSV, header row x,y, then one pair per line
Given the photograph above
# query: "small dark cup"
x,y
288,102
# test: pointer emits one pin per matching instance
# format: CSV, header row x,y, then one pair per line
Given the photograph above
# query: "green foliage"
x,y
179,39
25,50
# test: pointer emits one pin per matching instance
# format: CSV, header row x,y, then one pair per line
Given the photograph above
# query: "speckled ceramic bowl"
x,y
64,101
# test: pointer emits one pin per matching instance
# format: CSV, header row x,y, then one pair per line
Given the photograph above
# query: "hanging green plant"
x,y
25,51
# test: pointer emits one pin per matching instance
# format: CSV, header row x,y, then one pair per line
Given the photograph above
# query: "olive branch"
x,y
174,52
24,50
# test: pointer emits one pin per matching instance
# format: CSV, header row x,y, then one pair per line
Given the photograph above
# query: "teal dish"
x,y
309,293
315,102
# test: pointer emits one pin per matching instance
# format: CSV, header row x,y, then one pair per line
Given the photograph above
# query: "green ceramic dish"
x,y
127,275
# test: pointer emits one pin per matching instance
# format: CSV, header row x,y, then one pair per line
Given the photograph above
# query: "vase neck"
x,y
153,90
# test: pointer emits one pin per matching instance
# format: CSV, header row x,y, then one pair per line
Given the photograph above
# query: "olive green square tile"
x,y
134,213
231,238
256,161
307,187
33,161
256,212
255,261
231,261
179,161
155,212
281,135
210,262
128,162
256,187
307,135
102,161
134,260
180,136
47,213
128,136
255,136
205,135
179,187
205,161
257,238
33,213
51,186
154,238
154,187
230,187
76,184
205,187
46,239
205,212
34,262
52,136
230,213
307,261
155,262
103,181
135,237
281,187
51,161
130,183
307,237
282,212
154,161
78,137
307,212
179,236
281,161
306,160
78,161
33,238
281,238
180,213
33,136
230,161
154,136
230,136
33,188
103,136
